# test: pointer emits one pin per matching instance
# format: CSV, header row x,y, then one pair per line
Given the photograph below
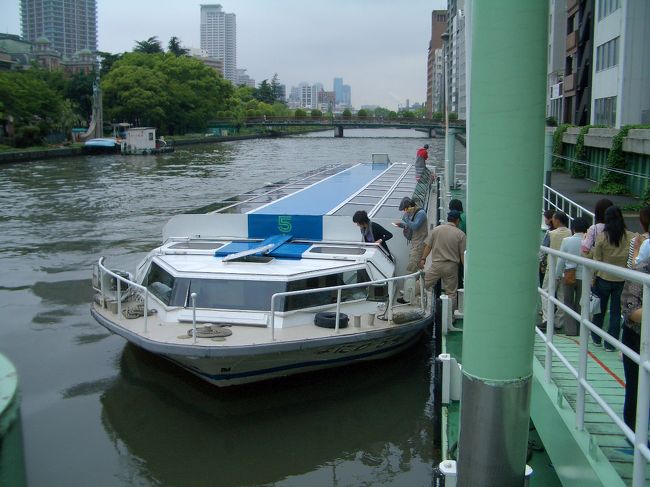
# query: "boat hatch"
x,y
278,246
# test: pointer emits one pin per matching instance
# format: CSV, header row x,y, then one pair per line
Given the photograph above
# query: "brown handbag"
x,y
570,277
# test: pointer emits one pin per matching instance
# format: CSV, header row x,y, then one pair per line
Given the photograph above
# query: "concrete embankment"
x,y
34,155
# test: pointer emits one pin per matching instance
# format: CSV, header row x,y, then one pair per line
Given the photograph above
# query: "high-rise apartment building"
x,y
70,26
438,27
338,89
598,71
219,37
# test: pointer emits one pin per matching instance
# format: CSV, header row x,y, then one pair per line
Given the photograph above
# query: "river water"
x,y
97,411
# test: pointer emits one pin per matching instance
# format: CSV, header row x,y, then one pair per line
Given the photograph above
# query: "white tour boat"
x,y
276,281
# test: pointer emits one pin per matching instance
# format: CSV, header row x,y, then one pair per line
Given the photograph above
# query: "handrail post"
x,y
584,341
421,281
146,310
550,317
193,296
119,296
273,317
391,291
643,394
338,310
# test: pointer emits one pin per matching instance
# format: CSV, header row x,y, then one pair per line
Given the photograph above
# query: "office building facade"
x,y
438,27
70,26
219,38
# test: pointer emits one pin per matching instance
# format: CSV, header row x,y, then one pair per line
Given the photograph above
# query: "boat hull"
x,y
235,365
230,371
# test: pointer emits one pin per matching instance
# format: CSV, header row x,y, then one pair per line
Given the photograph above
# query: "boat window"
x,y
338,250
326,297
226,293
160,283
197,245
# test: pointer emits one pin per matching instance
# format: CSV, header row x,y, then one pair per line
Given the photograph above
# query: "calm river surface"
x,y
99,412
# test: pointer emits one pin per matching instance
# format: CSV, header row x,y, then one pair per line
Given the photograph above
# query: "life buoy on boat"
x,y
327,319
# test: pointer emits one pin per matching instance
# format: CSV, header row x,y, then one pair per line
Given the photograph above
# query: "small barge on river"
x,y
276,281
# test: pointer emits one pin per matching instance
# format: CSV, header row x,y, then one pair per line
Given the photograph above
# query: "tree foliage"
x,y
150,46
174,47
362,113
265,92
35,106
172,93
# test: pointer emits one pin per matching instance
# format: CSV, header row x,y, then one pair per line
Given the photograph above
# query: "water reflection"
x,y
173,424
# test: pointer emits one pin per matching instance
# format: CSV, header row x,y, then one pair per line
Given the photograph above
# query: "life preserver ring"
x,y
327,319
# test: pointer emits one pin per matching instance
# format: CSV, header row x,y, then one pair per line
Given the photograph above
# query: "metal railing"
x,y
604,168
120,280
640,438
554,199
389,309
389,281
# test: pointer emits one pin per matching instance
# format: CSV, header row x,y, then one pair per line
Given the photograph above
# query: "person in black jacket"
x,y
371,231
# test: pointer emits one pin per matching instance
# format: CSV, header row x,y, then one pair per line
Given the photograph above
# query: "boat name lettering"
x,y
357,347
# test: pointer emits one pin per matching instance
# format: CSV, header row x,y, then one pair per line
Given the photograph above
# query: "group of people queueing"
x,y
608,241
445,243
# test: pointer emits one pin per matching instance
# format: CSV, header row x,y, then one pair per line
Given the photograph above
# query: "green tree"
x,y
346,113
107,61
299,113
276,89
79,90
150,46
265,92
34,105
174,47
362,113
316,114
174,93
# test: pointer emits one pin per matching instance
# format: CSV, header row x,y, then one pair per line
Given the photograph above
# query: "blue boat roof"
x,y
102,142
322,197
297,206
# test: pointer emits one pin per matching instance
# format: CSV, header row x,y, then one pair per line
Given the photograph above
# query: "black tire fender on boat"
x,y
327,319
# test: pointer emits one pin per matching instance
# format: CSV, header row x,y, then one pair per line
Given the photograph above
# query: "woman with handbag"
x,y
612,247
572,274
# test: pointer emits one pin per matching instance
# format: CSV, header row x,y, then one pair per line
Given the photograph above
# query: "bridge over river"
x,y
430,126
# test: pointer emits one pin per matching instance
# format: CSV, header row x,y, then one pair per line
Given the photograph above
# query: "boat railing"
x,y
640,438
555,200
390,281
120,279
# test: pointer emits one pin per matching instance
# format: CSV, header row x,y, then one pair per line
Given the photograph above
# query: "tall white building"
x,y
219,38
620,92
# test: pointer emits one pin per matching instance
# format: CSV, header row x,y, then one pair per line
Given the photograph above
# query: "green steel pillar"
x,y
548,157
12,464
507,88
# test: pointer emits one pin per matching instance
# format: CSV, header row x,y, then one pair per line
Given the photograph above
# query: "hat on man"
x,y
405,203
426,146
453,215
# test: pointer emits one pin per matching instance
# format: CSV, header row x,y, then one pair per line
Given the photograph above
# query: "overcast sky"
x,y
378,47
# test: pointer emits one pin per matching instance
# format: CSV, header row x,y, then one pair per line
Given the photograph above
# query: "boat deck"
x,y
605,373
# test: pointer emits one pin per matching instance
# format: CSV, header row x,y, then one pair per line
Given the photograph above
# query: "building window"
x,y
607,55
605,111
606,7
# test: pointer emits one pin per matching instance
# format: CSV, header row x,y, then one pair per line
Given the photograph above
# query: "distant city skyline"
x,y
378,46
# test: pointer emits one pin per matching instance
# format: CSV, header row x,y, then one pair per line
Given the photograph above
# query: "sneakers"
x,y
609,349
598,343
402,301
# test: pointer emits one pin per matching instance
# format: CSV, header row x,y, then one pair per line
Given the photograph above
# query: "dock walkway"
x,y
607,447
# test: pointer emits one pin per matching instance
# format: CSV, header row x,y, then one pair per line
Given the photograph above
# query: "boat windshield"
x,y
252,295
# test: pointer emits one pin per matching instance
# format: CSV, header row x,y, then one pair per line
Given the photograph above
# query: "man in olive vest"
x,y
415,226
